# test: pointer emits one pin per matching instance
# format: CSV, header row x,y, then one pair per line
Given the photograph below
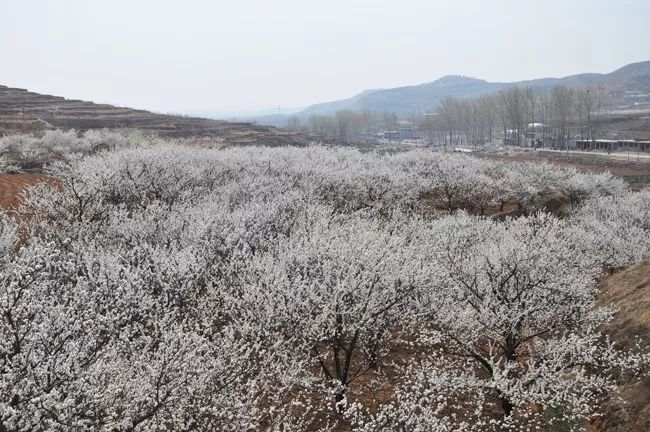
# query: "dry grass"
x,y
629,292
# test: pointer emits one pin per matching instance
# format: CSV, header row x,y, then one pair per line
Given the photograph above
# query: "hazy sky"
x,y
253,54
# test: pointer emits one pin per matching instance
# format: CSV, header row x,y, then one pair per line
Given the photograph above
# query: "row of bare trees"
x,y
349,124
520,115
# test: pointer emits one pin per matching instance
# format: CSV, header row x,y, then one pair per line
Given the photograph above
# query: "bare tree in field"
x,y
545,112
488,113
562,103
597,95
463,113
448,115
293,123
343,123
502,114
433,127
531,96
371,120
322,125
390,120
513,106
587,108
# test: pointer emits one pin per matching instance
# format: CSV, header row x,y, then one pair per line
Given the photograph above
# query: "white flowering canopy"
x,y
176,288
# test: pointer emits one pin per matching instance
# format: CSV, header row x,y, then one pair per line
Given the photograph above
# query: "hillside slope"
x,y
25,111
629,292
407,99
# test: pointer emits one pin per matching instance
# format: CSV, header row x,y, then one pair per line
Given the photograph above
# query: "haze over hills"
x,y
623,87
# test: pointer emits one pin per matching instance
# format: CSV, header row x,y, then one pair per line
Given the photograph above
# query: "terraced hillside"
x,y
25,111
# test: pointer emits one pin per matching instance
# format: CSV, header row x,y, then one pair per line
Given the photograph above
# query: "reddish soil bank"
x,y
13,185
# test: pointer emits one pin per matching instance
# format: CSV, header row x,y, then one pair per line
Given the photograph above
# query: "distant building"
x,y
407,133
402,133
609,145
391,135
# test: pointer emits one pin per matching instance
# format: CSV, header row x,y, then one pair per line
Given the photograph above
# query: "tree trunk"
x,y
506,406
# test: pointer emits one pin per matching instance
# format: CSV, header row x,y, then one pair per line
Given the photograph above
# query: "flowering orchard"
x,y
174,288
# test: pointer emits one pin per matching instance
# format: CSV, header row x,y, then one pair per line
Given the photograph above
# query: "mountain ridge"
x,y
425,97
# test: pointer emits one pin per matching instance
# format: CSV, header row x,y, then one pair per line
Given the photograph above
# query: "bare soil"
x,y
585,163
12,187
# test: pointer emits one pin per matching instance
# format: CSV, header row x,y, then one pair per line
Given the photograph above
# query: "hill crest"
x,y
425,97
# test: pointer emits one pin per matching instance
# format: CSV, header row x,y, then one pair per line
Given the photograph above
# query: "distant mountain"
x,y
403,100
633,79
356,102
632,70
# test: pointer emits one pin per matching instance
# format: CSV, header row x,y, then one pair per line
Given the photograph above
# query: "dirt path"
x,y
597,164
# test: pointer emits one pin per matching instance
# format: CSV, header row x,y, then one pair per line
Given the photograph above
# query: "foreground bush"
x,y
30,151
